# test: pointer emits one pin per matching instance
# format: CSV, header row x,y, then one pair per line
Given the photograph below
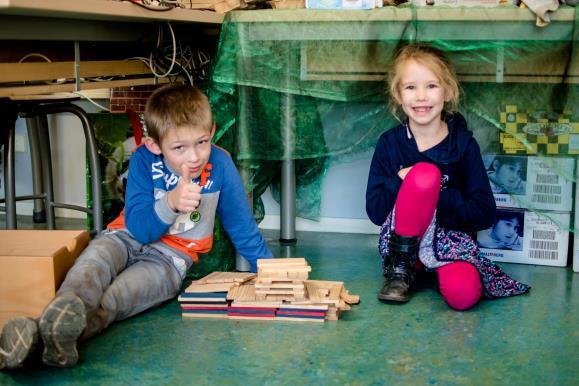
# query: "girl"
x,y
428,187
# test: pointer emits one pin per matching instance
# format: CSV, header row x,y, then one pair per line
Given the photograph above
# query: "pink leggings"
x,y
459,282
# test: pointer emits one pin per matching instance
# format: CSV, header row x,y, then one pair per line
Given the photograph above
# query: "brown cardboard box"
x,y
33,264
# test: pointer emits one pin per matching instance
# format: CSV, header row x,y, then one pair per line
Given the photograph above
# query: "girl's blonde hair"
x,y
175,106
436,61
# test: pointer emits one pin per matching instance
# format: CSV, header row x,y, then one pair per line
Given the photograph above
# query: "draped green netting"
x,y
310,86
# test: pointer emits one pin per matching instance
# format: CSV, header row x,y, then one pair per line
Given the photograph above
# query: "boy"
x,y
177,183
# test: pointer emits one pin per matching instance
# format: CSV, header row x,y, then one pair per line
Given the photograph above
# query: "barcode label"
x,y
543,255
545,245
545,199
546,189
547,178
545,235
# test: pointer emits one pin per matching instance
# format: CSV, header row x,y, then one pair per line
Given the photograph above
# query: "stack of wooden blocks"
x,y
207,297
281,291
281,279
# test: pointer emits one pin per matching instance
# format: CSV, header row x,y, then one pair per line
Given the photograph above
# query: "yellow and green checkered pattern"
x,y
553,135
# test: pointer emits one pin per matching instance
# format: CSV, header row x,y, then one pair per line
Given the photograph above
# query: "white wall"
x,y
343,202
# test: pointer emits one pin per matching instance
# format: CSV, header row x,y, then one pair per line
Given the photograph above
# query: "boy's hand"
x,y
186,196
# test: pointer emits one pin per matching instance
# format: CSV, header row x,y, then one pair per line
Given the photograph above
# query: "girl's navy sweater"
x,y
466,201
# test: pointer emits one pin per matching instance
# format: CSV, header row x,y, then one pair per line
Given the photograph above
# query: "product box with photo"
x,y
536,183
520,236
576,234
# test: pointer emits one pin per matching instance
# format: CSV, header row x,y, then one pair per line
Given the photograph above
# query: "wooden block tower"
x,y
281,279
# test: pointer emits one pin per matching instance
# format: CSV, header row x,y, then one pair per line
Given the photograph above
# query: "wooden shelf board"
x,y
104,10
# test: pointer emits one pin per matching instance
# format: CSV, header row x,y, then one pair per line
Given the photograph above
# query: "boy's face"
x,y
509,176
506,230
186,146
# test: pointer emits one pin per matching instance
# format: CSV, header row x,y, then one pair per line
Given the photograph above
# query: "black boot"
x,y
399,268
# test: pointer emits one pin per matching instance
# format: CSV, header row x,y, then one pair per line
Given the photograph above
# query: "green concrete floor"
x,y
527,340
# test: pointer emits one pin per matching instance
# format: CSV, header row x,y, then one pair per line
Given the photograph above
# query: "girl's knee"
x,y
424,175
460,285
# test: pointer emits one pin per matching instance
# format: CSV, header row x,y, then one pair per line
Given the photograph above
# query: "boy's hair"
x,y
508,215
176,106
436,61
509,160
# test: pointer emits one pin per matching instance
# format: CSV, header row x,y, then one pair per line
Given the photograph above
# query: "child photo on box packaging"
x,y
506,233
177,183
429,189
507,174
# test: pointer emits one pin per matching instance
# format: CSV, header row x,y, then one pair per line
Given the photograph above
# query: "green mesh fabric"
x,y
220,258
110,131
310,85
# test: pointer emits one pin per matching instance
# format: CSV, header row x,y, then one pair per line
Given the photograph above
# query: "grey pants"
x,y
117,277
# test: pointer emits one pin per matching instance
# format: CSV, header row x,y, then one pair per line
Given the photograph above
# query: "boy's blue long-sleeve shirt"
x,y
148,217
466,201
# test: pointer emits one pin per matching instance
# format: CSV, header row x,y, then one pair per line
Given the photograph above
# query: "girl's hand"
x,y
186,196
403,172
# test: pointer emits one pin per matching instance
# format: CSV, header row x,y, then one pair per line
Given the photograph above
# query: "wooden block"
x,y
284,268
280,291
210,316
316,288
239,317
278,280
263,304
231,277
293,306
215,287
33,264
323,292
278,262
305,320
225,277
280,285
244,292
204,279
348,298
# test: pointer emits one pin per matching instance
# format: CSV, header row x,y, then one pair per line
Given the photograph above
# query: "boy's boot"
x,y
399,268
61,324
18,341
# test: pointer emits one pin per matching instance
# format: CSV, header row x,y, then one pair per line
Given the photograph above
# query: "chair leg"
x,y
45,156
39,212
95,173
94,165
8,120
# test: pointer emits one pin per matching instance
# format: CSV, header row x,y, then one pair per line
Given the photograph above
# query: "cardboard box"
x,y
576,249
536,183
576,252
576,234
520,236
341,4
457,3
538,132
33,264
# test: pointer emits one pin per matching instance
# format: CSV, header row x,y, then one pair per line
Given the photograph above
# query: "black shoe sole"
x,y
61,324
18,341
390,298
